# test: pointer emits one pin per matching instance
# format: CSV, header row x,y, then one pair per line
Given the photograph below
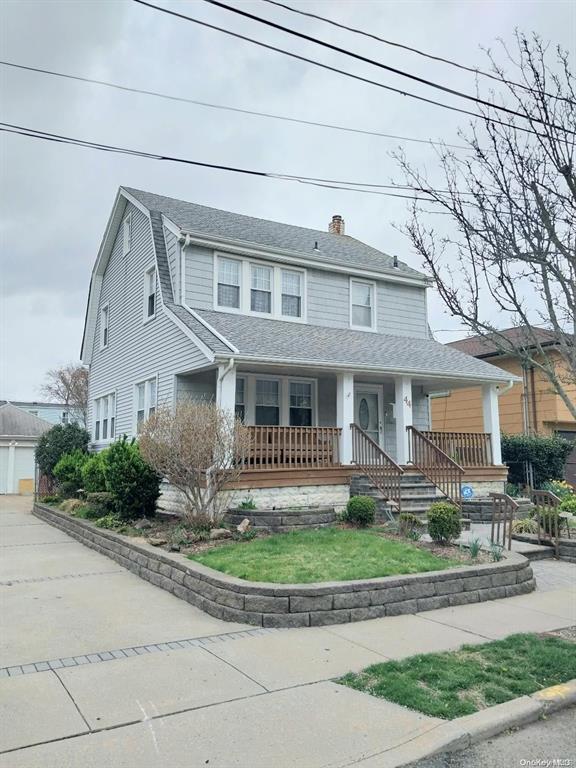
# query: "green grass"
x,y
329,554
458,683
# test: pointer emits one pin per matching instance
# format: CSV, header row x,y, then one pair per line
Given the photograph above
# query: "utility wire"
x,y
349,186
380,65
330,68
474,70
228,108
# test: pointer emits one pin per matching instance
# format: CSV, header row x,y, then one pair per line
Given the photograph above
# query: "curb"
x,y
463,732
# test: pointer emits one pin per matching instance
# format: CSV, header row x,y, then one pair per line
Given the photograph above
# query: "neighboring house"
x,y
19,433
530,407
55,413
319,342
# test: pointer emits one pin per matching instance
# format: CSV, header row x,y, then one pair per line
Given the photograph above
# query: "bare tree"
x,y
508,256
69,385
199,448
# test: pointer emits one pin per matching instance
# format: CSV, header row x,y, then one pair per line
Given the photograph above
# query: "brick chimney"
x,y
336,226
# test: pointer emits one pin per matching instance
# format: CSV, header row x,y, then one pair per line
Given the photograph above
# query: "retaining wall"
x,y
280,520
300,605
566,547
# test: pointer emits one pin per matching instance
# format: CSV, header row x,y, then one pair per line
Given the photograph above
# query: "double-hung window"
x,y
300,403
240,399
291,293
145,401
229,283
104,326
361,304
267,402
105,417
261,289
150,293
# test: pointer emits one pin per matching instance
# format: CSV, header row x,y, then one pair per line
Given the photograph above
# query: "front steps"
x,y
417,494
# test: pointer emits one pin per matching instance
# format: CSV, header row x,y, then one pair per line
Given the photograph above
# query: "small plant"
x,y
113,522
71,505
569,504
408,524
414,534
360,511
549,521
444,522
247,503
474,547
51,498
525,525
512,489
497,552
559,488
102,503
246,535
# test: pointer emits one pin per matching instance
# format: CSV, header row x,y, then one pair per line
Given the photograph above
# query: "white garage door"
x,y
3,469
16,468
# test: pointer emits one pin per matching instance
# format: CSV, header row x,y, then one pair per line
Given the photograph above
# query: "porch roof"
x,y
261,339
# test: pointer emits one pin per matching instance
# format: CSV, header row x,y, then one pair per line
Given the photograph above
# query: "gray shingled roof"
x,y
341,249
15,422
314,344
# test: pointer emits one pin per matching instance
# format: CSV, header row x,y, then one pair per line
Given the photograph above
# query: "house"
x,y
319,342
530,407
19,433
55,413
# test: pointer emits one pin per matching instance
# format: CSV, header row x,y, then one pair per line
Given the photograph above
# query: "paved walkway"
x,y
99,668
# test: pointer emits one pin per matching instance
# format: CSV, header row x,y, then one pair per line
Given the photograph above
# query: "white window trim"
x,y
146,317
284,396
108,440
105,308
246,284
374,286
145,381
127,241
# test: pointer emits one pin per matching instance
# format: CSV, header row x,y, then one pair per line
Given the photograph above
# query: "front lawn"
x,y
329,554
458,683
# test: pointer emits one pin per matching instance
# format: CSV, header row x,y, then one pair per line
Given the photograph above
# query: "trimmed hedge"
x,y
360,511
444,522
133,483
546,454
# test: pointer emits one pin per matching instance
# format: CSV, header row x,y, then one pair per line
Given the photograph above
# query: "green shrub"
x,y
93,477
134,484
69,468
407,522
360,511
547,454
525,525
559,488
100,504
512,489
113,522
67,490
569,504
53,444
444,522
51,498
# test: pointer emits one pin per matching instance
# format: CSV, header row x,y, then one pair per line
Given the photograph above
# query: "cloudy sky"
x,y
55,199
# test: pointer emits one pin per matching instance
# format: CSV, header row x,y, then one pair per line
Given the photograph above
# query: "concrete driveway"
x,y
99,668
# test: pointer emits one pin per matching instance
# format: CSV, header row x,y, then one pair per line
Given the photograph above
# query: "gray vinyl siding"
x,y
173,254
200,386
420,409
401,309
136,350
326,391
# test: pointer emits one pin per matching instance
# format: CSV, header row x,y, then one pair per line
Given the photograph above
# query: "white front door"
x,y
367,411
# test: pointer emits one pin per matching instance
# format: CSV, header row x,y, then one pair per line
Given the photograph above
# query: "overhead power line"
x,y
411,49
380,65
330,68
228,108
349,186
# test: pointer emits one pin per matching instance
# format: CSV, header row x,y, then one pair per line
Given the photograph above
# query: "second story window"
x,y
229,283
105,417
362,304
291,293
104,326
145,401
261,289
150,293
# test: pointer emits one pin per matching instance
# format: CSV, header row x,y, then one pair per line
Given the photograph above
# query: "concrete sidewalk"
x,y
100,668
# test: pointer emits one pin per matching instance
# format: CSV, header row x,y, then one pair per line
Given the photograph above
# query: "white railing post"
x,y
345,414
492,420
403,409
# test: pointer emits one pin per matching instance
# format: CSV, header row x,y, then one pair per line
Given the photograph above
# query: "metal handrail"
x,y
378,466
437,466
504,510
546,500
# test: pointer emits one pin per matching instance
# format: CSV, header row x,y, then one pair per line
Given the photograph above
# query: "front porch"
x,y
317,427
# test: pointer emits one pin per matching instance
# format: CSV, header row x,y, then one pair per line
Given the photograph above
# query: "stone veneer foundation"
x,y
300,605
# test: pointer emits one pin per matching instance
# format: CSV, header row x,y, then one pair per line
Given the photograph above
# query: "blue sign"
x,y
467,492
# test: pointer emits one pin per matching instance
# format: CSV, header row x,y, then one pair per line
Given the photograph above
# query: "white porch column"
x,y
403,408
492,419
226,387
345,413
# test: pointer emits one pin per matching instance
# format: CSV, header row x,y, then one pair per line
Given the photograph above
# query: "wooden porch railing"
x,y
380,468
504,510
547,516
436,465
292,448
469,449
